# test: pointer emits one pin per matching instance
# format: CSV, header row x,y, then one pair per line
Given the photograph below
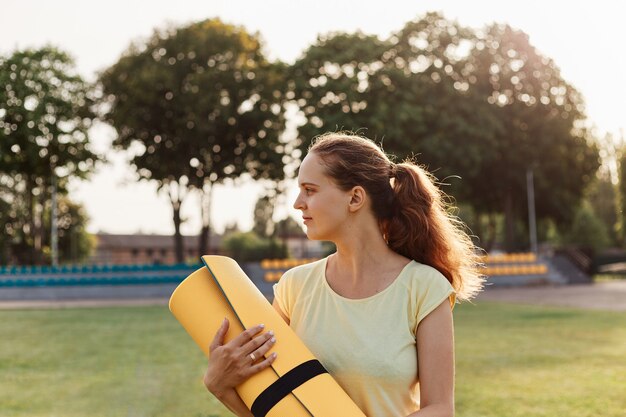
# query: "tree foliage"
x,y
587,231
621,196
543,119
405,92
263,213
288,227
75,243
203,104
45,114
483,105
602,198
250,247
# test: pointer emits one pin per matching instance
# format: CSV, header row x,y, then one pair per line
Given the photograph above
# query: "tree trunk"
x,y
31,237
179,247
204,241
41,227
176,195
509,222
492,230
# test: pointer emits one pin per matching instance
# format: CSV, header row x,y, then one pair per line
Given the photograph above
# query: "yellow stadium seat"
x,y
272,276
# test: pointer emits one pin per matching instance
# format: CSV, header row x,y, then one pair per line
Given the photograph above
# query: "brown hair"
x,y
412,211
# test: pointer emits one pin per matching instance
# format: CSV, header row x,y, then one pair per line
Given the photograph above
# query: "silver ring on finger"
x,y
252,357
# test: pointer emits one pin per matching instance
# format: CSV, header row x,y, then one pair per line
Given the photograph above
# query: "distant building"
x,y
146,249
159,249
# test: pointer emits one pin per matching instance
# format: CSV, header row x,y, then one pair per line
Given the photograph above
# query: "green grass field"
x,y
138,361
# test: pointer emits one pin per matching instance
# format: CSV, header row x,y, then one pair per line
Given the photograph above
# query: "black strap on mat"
x,y
284,385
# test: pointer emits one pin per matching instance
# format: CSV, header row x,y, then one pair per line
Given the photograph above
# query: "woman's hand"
x,y
232,363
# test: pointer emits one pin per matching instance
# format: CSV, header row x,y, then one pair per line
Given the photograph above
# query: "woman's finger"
x,y
264,347
254,344
218,340
247,335
262,365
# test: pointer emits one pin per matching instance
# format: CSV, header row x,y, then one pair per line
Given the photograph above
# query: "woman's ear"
x,y
357,199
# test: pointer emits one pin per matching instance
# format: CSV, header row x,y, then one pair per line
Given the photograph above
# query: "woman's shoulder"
x,y
417,270
304,272
428,288
420,276
298,280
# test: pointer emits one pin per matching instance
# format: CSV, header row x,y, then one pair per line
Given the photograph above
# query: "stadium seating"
x,y
274,268
70,275
513,264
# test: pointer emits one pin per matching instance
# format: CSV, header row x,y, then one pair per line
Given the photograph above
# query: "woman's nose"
x,y
298,203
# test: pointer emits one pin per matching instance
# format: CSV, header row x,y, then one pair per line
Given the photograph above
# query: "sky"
x,y
586,39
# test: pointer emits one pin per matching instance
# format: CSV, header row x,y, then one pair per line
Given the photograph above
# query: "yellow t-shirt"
x,y
368,345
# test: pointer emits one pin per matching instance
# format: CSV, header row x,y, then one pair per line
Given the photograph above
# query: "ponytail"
x,y
422,228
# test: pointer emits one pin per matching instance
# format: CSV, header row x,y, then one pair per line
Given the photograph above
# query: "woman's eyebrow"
x,y
304,184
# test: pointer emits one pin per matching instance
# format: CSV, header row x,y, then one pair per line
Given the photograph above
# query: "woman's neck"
x,y
363,261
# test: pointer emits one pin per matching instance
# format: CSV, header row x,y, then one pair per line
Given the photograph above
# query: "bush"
x,y
249,247
587,230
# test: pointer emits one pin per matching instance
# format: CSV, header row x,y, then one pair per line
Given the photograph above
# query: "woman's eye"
x,y
308,190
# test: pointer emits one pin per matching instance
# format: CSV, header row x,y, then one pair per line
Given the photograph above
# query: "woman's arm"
x,y
279,311
435,344
232,363
234,403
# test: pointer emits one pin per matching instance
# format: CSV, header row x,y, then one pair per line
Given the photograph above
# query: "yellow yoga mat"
x,y
296,385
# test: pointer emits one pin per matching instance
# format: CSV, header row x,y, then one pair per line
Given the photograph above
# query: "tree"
x,y
331,82
587,230
602,198
409,93
204,105
75,243
231,228
621,195
263,213
544,131
45,114
288,227
483,106
6,230
249,247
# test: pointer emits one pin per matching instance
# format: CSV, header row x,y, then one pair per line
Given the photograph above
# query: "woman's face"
x,y
324,206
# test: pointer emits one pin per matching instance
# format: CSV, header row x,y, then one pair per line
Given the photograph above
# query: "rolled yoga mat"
x,y
296,384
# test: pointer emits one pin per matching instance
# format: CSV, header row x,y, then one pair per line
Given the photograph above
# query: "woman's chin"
x,y
311,235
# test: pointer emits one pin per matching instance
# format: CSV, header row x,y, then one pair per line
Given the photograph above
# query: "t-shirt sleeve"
x,y
434,290
281,294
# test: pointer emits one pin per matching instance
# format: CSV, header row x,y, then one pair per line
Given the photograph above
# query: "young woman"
x,y
377,313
